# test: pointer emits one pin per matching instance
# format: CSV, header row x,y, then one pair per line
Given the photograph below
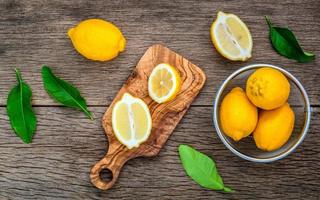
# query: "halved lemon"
x,y
164,83
231,37
131,121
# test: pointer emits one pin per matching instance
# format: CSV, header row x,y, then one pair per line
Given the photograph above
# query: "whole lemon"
x,y
97,39
238,116
274,128
267,88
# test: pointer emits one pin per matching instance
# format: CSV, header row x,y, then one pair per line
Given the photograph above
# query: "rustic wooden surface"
x,y
57,164
165,116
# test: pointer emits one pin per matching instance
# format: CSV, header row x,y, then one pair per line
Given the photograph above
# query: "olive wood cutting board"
x,y
165,116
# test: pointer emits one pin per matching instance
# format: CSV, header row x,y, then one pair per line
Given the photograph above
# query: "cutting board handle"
x,y
112,162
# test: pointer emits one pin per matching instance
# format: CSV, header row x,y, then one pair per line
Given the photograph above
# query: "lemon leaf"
x,y
201,169
22,118
286,44
63,92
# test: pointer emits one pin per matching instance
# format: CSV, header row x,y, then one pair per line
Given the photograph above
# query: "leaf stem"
x,y
18,74
89,114
268,21
228,190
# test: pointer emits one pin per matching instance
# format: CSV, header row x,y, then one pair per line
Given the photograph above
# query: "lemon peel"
x,y
97,39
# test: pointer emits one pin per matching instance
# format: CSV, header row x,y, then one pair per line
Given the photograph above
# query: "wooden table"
x,y
57,163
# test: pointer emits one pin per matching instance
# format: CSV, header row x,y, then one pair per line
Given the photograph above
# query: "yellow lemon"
x,y
97,39
131,121
267,88
231,37
274,128
164,83
238,116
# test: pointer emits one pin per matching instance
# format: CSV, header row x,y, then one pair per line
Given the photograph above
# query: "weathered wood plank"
x,y
33,33
57,163
67,144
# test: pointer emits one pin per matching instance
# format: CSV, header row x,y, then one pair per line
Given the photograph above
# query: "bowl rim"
x,y
222,135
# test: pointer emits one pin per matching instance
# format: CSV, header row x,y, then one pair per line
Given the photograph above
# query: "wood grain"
x,y
33,33
56,164
165,116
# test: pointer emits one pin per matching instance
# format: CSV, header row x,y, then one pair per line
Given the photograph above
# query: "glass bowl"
x,y
246,148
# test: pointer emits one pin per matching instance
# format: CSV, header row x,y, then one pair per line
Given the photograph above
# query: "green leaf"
x,y
286,44
201,168
22,118
63,91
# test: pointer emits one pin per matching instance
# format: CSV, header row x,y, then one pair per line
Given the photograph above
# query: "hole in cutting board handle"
x,y
102,175
106,175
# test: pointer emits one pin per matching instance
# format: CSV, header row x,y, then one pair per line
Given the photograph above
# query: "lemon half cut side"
x,y
231,37
131,121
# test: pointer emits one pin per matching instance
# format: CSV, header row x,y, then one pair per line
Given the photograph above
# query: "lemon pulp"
x,y
131,121
164,83
231,37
